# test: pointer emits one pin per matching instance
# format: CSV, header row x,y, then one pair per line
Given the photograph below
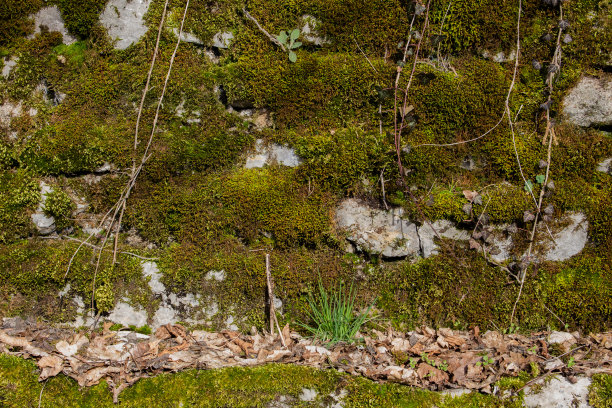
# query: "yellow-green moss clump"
x,y
19,195
441,291
600,391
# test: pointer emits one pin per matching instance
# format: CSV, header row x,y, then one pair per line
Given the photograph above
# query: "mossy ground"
x,y
235,387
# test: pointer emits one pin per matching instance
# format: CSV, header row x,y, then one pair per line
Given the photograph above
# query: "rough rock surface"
x,y
560,393
127,315
52,18
273,153
222,39
123,19
309,31
8,66
445,229
605,166
569,240
589,103
378,231
500,243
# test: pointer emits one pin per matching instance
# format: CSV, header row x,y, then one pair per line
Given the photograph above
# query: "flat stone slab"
x,y
124,21
378,231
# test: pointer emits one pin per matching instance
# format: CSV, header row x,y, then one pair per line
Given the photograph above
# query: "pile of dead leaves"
x,y
427,358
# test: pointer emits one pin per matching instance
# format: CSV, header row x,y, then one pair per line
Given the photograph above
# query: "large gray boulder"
x,y
378,231
589,103
124,21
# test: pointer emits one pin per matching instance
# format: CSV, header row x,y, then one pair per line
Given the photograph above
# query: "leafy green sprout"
x,y
540,178
333,315
486,360
289,41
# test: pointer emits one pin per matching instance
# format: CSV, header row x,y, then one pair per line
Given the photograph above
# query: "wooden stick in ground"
x,y
273,320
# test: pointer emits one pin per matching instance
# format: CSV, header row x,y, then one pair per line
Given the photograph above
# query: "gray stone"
x,y
8,66
559,393
64,291
126,315
309,31
558,337
308,394
589,103
605,166
219,276
52,19
456,392
499,243
378,231
229,323
272,153
570,240
151,271
222,39
444,228
123,20
44,224
188,37
164,315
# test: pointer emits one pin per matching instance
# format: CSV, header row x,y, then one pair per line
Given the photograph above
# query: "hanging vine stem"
x,y
549,135
119,207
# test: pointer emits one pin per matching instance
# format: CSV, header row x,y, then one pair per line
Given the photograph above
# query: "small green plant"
x,y
439,365
486,360
288,40
333,315
413,362
571,362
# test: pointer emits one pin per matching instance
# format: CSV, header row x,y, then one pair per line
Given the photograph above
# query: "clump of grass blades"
x,y
333,315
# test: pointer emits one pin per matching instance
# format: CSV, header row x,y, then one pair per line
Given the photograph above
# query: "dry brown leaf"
x,y
50,366
432,374
470,195
93,377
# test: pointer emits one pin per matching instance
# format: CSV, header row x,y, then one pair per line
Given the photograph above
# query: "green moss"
x,y
439,290
235,387
19,194
318,90
59,206
339,161
81,16
36,271
270,200
600,391
14,21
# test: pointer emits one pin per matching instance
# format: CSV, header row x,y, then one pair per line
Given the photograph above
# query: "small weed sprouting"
x,y
333,315
288,40
486,360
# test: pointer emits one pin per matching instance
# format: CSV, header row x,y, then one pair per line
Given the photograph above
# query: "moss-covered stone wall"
x,y
196,209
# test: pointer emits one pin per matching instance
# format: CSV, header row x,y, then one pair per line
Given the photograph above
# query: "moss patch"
x,y
236,387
